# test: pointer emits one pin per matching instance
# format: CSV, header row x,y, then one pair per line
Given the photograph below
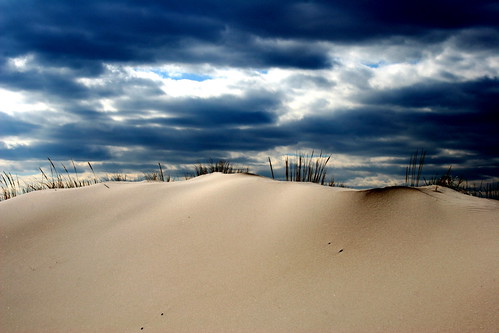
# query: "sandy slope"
x,y
244,253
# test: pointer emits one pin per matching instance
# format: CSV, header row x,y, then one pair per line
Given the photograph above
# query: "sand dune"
x,y
241,253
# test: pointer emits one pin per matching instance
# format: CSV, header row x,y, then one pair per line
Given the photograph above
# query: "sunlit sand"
x,y
242,253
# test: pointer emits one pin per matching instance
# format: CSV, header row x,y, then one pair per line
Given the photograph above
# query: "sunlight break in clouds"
x,y
17,102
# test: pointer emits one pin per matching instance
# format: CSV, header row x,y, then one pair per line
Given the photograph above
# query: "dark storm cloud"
x,y
12,126
220,112
467,122
192,126
380,132
354,21
251,109
85,34
82,35
463,97
471,124
52,84
165,143
477,39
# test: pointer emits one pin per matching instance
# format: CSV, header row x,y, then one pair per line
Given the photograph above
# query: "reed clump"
x,y
157,176
11,186
306,168
66,180
415,168
117,177
413,176
448,180
222,166
487,190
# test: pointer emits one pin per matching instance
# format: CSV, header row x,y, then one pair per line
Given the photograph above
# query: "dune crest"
x,y
245,253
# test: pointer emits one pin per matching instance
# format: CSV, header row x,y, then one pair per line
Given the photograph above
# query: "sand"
x,y
242,253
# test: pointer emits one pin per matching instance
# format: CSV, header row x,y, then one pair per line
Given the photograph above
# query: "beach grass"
x,y
306,168
10,186
297,168
414,174
66,180
483,190
414,170
222,166
158,176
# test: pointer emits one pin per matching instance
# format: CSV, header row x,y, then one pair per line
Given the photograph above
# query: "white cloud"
x,y
462,65
16,102
219,82
376,181
12,142
21,64
405,64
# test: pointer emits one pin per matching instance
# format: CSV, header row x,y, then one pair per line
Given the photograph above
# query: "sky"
x,y
127,84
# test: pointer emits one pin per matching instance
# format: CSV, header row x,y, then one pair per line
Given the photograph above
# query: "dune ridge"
x,y
246,253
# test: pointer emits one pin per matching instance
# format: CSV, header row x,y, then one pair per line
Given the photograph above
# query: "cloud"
x,y
361,21
12,126
83,35
136,32
128,83
55,84
442,97
219,112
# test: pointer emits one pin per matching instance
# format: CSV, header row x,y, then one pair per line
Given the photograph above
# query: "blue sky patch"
x,y
182,76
